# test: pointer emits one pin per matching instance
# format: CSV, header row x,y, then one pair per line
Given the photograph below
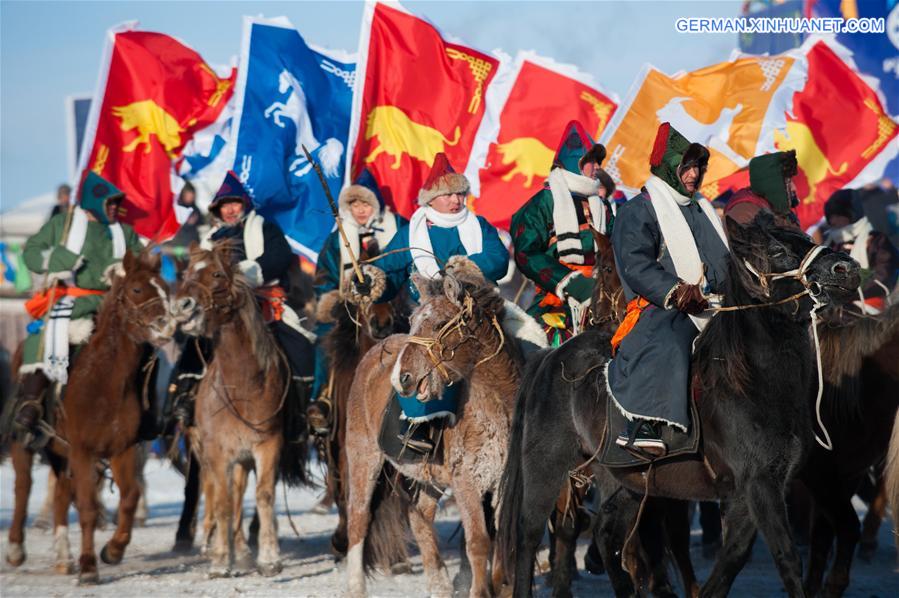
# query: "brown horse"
x,y
455,338
357,328
104,399
239,404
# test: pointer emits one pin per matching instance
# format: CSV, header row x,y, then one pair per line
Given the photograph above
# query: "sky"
x,y
51,50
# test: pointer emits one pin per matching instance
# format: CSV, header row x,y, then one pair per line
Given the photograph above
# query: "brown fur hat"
x,y
352,193
442,180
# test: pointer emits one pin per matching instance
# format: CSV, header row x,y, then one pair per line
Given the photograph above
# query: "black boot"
x,y
296,428
182,395
30,410
318,414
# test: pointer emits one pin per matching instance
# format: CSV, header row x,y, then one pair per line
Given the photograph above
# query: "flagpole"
x,y
336,213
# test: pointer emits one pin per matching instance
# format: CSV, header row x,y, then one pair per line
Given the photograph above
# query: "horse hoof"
x,y
401,568
183,545
218,572
64,567
41,522
15,554
269,569
108,558
89,578
244,561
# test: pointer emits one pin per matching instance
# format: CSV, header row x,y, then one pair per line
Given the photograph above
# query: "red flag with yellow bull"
x,y
837,127
154,94
542,100
416,95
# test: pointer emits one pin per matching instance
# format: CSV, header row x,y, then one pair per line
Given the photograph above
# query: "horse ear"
x,y
453,289
129,261
421,283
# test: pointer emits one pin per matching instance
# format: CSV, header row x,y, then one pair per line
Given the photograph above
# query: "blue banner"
x,y
289,95
771,43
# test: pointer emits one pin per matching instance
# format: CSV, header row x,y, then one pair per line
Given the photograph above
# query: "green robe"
x,y
533,236
44,252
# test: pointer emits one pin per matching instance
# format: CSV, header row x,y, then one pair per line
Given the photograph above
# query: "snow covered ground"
x,y
151,569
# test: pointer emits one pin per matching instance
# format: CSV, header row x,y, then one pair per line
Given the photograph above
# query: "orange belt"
x,y
271,299
39,304
554,301
634,308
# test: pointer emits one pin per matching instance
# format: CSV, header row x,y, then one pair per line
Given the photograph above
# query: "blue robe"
x,y
650,375
445,242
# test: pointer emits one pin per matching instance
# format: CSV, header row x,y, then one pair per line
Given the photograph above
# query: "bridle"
x,y
614,298
131,308
439,353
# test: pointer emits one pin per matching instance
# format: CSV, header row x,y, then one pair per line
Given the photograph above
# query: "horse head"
x,y
455,328
774,264
139,296
607,306
284,81
210,292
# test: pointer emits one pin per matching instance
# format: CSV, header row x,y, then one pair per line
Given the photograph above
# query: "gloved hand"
x,y
580,288
370,288
363,287
688,298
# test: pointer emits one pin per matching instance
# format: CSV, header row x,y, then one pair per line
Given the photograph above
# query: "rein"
x,y
799,273
438,353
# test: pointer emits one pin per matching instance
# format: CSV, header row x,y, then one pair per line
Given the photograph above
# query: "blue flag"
x,y
289,95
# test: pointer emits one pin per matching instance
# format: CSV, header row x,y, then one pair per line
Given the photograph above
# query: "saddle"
x,y
393,428
679,444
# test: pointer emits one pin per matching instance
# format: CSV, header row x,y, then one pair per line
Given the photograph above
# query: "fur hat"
x,y
769,176
442,180
671,152
231,190
353,193
597,154
96,193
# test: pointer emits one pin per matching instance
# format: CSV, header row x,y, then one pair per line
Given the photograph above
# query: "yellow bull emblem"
x,y
530,157
811,159
149,118
398,134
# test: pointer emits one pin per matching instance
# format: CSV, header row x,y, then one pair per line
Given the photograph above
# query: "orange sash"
x,y
271,300
39,304
634,308
554,301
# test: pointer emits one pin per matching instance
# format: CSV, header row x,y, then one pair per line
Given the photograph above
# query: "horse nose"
x,y
187,304
405,380
841,268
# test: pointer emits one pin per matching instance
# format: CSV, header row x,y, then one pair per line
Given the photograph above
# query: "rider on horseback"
x,y
74,250
770,188
442,227
369,226
554,246
672,256
261,253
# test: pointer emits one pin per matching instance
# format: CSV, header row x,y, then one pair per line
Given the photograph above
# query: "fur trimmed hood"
x,y
352,193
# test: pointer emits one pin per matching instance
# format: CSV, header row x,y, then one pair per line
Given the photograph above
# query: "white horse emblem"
x,y
294,110
714,135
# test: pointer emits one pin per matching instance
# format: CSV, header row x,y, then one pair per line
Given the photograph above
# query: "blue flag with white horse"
x,y
290,95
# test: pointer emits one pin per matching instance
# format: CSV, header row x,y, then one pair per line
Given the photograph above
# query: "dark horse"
x,y
357,328
754,368
861,368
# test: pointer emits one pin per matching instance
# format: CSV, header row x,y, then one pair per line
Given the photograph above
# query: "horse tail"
x,y
891,476
511,485
386,541
294,459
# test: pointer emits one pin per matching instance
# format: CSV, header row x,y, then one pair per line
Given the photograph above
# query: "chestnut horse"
x,y
240,405
455,338
105,397
756,426
357,328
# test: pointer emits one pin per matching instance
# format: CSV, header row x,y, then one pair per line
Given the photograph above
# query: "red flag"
x,y
157,94
837,127
541,102
420,96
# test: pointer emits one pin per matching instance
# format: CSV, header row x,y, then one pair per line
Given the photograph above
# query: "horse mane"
x,y
262,343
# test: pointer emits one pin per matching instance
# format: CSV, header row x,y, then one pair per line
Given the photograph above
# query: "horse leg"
x,y
734,553
184,537
477,540
565,534
142,513
208,512
124,472
677,528
871,524
266,455
820,535
848,533
62,498
44,518
364,468
615,518
339,494
84,474
220,476
22,460
654,541
243,558
421,520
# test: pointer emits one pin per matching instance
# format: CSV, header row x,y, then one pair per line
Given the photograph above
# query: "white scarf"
x,y
56,336
678,237
253,239
383,226
465,222
856,233
561,185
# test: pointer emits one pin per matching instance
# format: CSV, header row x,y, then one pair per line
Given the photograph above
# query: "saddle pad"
x,y
678,443
390,443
